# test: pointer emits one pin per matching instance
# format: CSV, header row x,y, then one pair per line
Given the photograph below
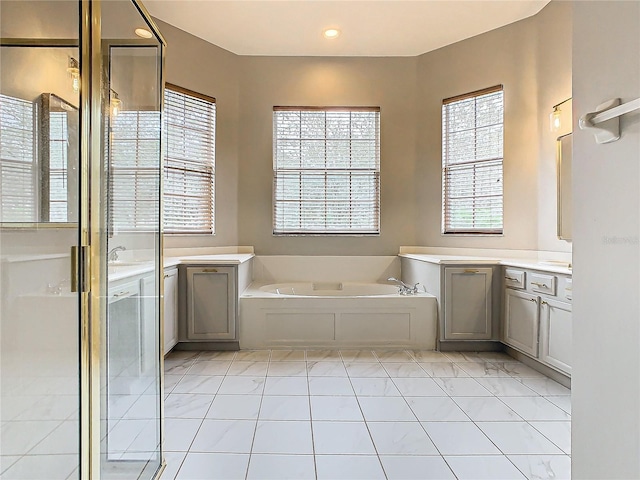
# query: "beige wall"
x,y
531,58
200,66
385,82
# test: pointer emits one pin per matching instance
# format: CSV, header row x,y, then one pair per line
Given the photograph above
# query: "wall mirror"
x,y
564,156
38,160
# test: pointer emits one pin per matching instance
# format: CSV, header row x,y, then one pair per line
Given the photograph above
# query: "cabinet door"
x,y
170,309
521,321
555,335
467,303
123,336
211,303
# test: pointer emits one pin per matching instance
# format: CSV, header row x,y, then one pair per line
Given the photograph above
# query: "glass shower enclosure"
x,y
81,93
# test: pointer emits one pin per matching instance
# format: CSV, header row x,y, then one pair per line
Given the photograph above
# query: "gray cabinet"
x,y
556,334
170,309
467,303
521,321
211,303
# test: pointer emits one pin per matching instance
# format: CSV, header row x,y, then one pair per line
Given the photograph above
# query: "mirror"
x,y
38,160
564,156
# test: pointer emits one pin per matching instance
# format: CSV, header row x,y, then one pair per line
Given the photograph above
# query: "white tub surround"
x,y
331,302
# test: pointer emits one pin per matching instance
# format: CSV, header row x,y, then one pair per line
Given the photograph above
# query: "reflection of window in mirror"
x,y
18,192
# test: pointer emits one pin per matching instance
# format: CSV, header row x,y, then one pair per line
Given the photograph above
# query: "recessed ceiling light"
x,y
331,33
143,32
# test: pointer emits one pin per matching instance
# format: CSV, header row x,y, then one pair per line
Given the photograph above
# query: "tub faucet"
x,y
112,256
403,288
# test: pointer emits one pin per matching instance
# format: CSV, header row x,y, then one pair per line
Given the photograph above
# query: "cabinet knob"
x,y
544,303
533,300
513,279
543,285
166,275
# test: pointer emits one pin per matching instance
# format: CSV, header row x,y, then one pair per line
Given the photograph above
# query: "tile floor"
x,y
362,415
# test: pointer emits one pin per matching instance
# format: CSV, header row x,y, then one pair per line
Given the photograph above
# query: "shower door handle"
x,y
79,259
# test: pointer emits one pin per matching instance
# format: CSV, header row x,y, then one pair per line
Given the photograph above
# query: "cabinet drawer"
x,y
568,289
514,278
541,283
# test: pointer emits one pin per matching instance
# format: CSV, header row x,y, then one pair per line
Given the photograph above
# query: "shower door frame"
x,y
92,267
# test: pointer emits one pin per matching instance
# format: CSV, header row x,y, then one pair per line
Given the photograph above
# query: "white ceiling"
x,y
369,28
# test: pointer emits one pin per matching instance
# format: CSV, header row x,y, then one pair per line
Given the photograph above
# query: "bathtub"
x,y
335,315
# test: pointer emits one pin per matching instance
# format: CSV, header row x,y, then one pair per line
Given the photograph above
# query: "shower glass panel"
x,y
80,240
130,336
39,204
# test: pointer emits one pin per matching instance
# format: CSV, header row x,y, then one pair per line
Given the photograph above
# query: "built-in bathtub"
x,y
335,314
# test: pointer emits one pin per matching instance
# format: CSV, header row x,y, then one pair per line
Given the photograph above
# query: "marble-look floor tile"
x,y
366,370
462,387
283,438
281,467
208,356
401,438
209,368
374,387
558,432
62,441
460,357
416,467
443,369
341,408
224,436
342,438
481,370
287,369
387,356
351,356
170,381
419,387
535,408
187,405
459,438
285,408
505,387
543,467
545,386
254,369
253,355
213,466
496,357
436,409
286,386
330,386
518,370
323,356
288,356
401,370
386,409
174,462
561,401
486,409
427,356
18,438
325,369
490,467
198,384
517,438
41,467
235,407
179,433
242,385
349,467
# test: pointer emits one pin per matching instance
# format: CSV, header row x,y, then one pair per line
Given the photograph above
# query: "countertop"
x,y
126,269
532,264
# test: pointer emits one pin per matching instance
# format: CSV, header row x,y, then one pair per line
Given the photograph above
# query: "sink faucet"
x,y
403,288
112,256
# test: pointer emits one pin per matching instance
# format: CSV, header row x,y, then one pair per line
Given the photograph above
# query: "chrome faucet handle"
x,y
112,256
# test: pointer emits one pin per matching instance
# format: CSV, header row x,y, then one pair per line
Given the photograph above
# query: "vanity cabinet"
x,y
170,309
537,319
211,303
521,321
467,303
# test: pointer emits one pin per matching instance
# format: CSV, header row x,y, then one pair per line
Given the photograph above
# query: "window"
x,y
326,164
190,162
18,172
472,139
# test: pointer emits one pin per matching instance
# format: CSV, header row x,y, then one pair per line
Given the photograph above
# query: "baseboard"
x,y
230,345
470,346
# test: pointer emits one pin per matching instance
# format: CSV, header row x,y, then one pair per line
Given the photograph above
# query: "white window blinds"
x,y
18,169
189,162
133,171
472,146
326,165
58,160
